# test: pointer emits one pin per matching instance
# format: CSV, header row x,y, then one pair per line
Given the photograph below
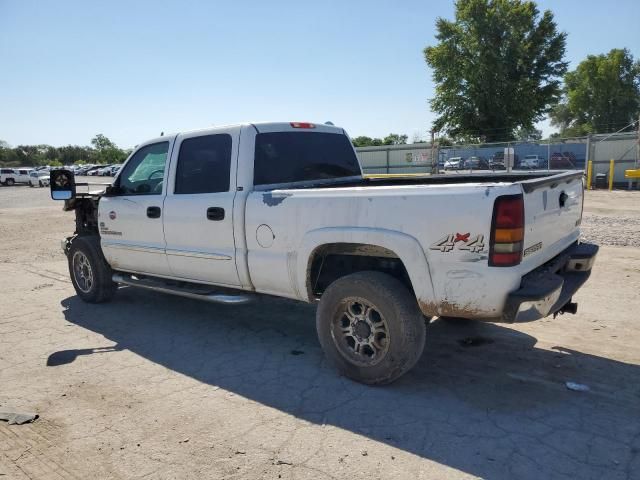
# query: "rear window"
x,y
286,157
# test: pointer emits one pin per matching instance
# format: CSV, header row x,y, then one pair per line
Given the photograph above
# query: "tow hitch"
x,y
569,307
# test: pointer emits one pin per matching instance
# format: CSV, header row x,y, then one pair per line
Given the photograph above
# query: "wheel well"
x,y
332,261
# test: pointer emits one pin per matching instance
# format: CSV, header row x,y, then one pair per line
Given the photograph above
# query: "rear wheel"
x,y
90,272
10,182
370,327
40,183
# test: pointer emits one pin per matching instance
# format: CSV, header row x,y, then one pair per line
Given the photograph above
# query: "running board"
x,y
193,291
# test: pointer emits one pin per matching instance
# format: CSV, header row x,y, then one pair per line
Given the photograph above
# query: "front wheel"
x,y
90,272
370,327
9,182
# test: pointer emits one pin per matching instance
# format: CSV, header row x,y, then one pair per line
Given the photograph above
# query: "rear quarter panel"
x,y
440,232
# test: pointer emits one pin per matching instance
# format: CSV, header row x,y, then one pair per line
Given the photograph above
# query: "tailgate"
x,y
553,212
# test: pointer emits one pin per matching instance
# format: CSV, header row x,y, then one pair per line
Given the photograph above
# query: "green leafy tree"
x,y
601,95
395,139
106,151
364,141
528,134
496,67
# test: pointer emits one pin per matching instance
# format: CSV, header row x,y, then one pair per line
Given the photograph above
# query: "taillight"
x,y
302,125
507,231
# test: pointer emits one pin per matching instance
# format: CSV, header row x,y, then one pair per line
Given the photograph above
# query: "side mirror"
x,y
111,191
63,184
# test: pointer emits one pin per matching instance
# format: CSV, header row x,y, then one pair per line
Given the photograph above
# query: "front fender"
x,y
406,247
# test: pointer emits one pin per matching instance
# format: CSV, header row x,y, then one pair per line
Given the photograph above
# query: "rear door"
x,y
553,212
130,219
198,210
23,176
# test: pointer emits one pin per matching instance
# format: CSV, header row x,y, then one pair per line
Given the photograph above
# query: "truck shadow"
x,y
482,399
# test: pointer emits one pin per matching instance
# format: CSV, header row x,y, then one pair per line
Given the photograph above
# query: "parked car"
x,y
496,165
105,171
115,169
39,178
82,169
11,176
497,159
93,171
227,213
454,163
533,161
476,163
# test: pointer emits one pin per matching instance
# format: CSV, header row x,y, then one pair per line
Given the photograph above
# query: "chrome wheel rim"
x,y
82,272
360,332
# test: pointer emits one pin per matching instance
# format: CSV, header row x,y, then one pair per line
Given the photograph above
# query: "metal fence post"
x,y
388,167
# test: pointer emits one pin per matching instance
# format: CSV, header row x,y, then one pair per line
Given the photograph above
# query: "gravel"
x,y
621,230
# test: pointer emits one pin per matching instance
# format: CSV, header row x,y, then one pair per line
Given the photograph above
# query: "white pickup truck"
x,y
283,209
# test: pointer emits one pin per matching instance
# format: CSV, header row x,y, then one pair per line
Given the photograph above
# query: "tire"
x,y
90,273
377,342
40,183
30,184
10,182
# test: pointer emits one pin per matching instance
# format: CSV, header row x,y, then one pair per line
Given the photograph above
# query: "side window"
x,y
23,172
204,164
144,172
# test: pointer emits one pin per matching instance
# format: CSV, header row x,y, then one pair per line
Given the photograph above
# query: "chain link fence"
x,y
558,154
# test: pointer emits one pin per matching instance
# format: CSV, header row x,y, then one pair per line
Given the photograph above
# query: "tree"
x,y
601,95
364,141
395,139
106,151
496,67
528,134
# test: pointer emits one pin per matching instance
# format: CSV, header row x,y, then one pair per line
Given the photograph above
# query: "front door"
x,y
130,219
198,209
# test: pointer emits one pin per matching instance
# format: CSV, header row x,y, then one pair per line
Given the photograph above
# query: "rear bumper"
x,y
548,288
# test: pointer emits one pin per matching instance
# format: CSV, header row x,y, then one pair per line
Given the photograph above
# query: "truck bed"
x,y
530,180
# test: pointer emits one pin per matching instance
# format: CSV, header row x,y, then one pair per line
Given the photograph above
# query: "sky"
x,y
132,69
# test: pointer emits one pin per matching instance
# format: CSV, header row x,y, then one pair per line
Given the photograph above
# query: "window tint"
x,y
144,172
24,172
284,157
6,170
204,164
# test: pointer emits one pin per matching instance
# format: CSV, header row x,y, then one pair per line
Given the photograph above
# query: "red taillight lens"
x,y
302,125
507,231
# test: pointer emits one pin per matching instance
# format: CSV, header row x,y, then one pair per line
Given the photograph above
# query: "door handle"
x,y
153,212
215,213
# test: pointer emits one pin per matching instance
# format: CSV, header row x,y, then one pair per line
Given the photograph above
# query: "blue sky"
x,y
131,69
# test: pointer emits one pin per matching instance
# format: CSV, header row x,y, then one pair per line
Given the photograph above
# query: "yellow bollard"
x,y
611,166
589,174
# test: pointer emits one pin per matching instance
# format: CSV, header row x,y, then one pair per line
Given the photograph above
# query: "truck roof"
x,y
261,127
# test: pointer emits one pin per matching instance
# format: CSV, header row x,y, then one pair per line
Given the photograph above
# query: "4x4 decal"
x,y
459,241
